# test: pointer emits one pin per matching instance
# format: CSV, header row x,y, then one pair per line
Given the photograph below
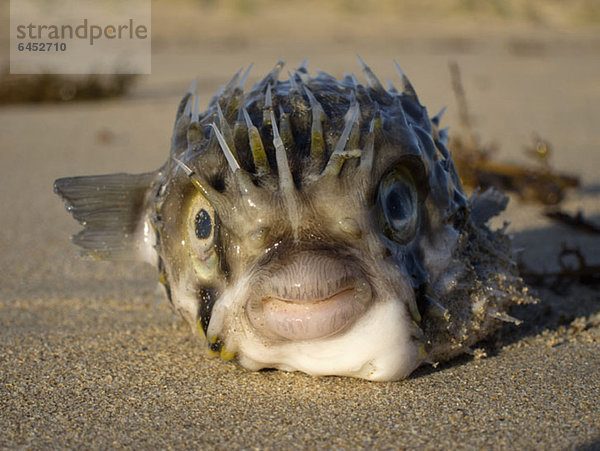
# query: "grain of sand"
x,y
91,355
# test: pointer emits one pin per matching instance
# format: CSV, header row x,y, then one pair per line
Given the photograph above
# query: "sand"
x,y
91,355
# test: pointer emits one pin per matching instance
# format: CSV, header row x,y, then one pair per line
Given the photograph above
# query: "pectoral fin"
x,y
114,210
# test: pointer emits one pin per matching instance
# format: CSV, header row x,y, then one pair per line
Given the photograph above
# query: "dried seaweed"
x,y
573,269
61,88
578,221
477,169
539,183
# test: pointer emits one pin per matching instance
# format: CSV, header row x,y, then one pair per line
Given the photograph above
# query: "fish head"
x,y
319,225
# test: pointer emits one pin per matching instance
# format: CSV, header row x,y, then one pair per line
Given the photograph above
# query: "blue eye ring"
x,y
203,225
399,206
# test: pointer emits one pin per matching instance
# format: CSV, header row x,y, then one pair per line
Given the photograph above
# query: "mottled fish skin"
x,y
311,224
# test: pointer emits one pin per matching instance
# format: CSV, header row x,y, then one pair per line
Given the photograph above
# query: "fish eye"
x,y
203,224
201,230
398,202
200,224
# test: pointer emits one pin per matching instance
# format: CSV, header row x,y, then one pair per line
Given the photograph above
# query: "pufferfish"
x,y
312,224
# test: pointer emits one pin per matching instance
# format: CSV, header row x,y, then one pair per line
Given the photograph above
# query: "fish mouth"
x,y
314,297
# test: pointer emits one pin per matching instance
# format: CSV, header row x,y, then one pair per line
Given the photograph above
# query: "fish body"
x,y
311,224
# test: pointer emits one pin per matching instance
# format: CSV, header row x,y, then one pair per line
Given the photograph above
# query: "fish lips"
x,y
313,297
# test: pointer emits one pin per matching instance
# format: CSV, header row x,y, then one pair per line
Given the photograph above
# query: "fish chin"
x,y
320,316
379,346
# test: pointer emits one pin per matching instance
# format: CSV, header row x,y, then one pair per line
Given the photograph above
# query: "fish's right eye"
x,y
203,224
199,240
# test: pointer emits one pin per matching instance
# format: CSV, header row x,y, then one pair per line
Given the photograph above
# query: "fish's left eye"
x,y
398,203
203,224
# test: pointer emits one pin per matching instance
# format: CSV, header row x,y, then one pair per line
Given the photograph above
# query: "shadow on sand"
x,y
561,301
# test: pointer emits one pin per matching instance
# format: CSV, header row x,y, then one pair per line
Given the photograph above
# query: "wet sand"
x,y
91,355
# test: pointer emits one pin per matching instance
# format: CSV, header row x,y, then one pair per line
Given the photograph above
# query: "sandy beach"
x,y
91,355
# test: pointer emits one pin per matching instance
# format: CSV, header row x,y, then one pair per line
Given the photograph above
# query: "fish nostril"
x,y
257,237
350,227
